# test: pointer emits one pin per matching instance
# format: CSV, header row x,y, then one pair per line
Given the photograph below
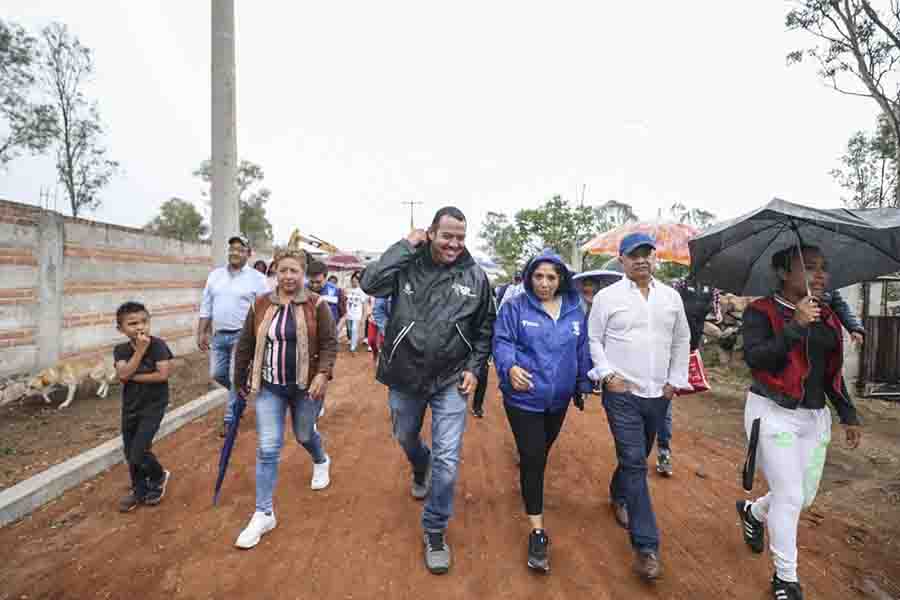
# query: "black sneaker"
x,y
539,551
157,490
754,532
478,412
786,590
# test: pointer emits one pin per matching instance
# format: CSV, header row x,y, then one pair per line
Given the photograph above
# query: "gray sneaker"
x,y
437,552
421,484
664,463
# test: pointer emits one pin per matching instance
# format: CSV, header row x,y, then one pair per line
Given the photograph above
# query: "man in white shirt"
x,y
640,346
227,297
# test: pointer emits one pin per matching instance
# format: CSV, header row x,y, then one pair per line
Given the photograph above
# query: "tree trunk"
x,y
896,203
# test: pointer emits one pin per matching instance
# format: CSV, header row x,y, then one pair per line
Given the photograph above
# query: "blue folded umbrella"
x,y
228,445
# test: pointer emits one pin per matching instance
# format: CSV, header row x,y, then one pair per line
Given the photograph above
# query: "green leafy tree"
x,y
858,50
254,223
25,126
669,271
179,219
252,200
81,159
556,225
867,171
501,240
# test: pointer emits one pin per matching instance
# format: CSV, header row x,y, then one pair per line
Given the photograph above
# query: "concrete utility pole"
x,y
223,191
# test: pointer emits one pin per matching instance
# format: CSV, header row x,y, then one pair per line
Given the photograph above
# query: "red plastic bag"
x,y
696,376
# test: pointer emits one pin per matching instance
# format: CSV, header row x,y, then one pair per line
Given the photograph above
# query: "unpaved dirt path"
x,y
360,538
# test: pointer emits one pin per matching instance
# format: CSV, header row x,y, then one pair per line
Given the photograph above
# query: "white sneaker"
x,y
260,524
321,478
321,411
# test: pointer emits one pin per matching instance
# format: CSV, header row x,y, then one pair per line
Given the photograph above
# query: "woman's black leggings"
x,y
535,433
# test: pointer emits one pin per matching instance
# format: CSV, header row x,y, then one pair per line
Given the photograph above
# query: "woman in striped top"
x,y
284,359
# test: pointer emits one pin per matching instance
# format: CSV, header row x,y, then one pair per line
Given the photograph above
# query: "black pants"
x,y
535,433
478,398
139,426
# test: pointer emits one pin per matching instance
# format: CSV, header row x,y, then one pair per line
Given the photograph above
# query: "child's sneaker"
x,y
129,502
157,490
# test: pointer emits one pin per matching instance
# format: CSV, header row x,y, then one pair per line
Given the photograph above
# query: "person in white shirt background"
x,y
640,345
356,304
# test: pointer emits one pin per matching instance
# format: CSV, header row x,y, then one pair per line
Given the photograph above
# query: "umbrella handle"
x,y
800,254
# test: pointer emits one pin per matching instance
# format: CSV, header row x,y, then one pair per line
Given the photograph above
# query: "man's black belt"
x,y
228,330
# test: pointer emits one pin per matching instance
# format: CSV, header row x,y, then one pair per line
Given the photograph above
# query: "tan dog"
x,y
71,374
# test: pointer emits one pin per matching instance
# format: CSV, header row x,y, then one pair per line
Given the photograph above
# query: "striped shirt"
x,y
280,357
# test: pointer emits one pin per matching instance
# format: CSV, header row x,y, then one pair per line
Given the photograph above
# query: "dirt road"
x,y
360,538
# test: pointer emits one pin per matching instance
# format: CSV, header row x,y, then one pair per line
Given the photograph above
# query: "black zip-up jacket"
x,y
441,322
766,350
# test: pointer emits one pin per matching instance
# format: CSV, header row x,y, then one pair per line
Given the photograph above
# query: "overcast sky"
x,y
353,108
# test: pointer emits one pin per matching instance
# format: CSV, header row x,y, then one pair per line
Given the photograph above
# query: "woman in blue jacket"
x,y
542,359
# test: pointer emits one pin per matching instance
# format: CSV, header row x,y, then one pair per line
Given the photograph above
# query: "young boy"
x,y
142,365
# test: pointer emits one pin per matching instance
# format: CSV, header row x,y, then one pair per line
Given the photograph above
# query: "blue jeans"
x,y
271,404
634,422
448,423
221,361
664,442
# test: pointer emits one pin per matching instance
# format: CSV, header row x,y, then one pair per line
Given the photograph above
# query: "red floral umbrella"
x,y
344,262
671,240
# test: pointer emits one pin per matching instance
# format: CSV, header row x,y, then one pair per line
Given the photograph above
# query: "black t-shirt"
x,y
822,342
135,394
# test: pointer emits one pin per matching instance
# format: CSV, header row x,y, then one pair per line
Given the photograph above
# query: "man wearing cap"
x,y
640,345
229,293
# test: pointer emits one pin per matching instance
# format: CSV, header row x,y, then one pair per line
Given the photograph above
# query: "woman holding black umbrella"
x,y
284,359
794,346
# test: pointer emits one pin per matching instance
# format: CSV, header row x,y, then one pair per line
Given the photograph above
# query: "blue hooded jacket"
x,y
556,354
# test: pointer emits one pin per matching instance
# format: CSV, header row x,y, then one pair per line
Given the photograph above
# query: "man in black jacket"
x,y
438,338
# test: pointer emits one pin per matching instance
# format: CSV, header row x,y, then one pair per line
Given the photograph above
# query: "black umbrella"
x,y
230,437
736,256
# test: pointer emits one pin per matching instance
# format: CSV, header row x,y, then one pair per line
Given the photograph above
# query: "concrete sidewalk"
x,y
23,498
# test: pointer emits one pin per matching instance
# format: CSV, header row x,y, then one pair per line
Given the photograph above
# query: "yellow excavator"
x,y
297,237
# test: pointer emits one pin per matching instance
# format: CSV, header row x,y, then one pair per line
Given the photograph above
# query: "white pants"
x,y
791,455
355,330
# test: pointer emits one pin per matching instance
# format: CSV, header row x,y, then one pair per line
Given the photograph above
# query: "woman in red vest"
x,y
793,344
